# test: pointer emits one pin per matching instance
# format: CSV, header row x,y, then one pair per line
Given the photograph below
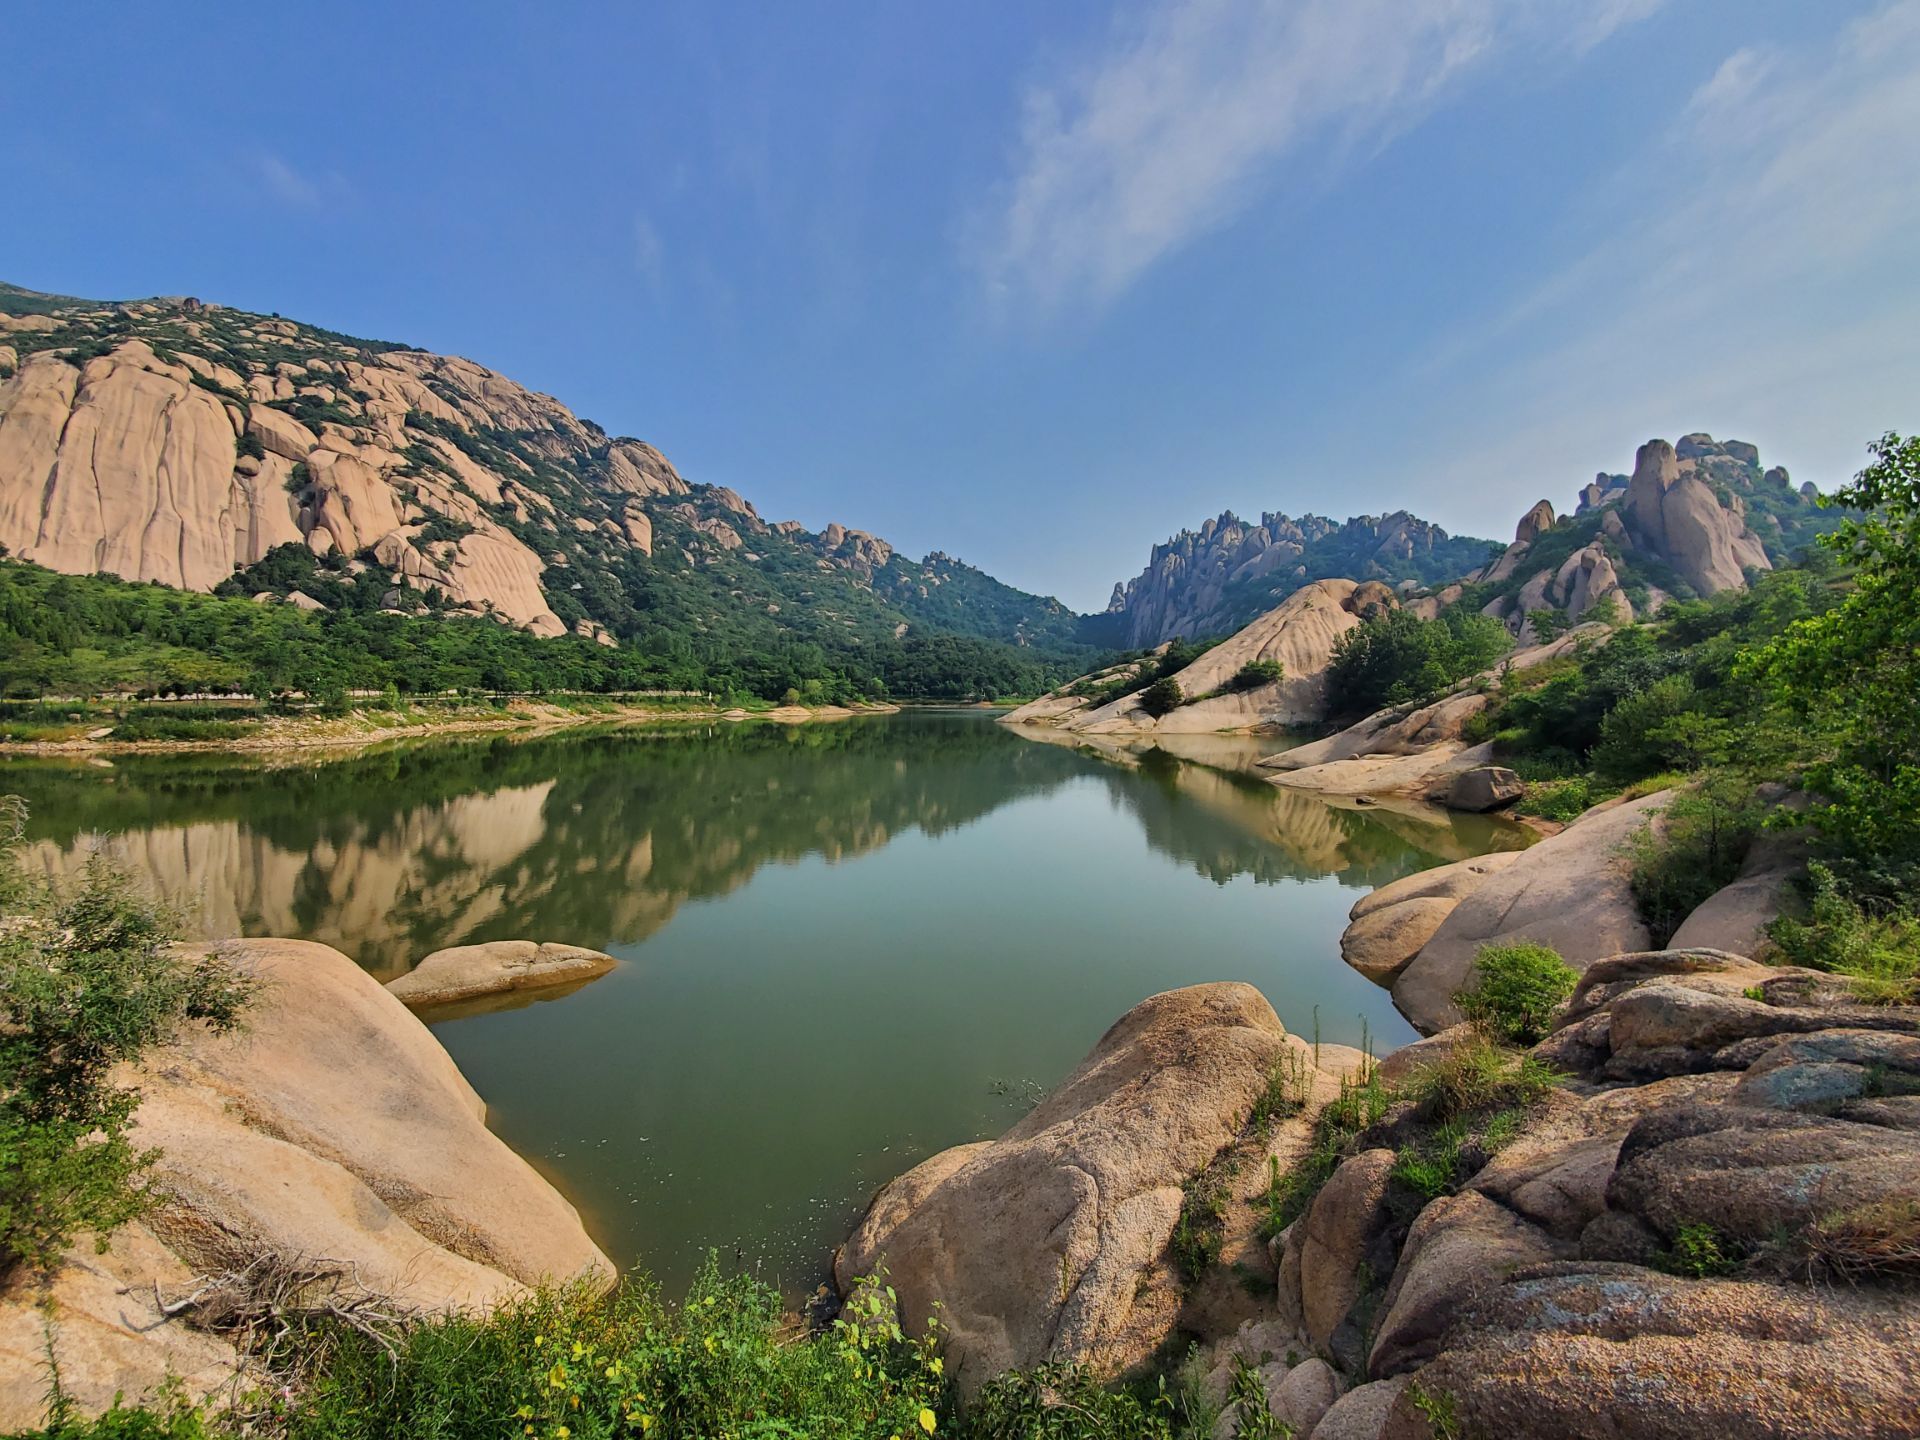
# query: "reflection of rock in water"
x,y
598,839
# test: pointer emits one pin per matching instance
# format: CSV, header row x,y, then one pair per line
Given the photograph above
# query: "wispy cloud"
x,y
294,188
649,254
1756,267
1193,106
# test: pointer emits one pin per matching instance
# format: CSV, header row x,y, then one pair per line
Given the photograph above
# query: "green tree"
x,y
88,980
1162,697
1853,673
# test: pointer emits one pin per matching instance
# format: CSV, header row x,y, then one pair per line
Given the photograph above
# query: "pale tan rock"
x,y
1678,517
1736,918
279,433
1483,788
1569,892
334,1065
465,971
105,1332
1336,1234
1442,882
1051,1242
1380,943
1361,1413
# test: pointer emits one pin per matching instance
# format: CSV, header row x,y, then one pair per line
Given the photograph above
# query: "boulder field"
x,y
331,1132
1707,1227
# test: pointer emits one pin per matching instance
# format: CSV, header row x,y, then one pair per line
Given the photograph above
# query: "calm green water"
x,y
847,946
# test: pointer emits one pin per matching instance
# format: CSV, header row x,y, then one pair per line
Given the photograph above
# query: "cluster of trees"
x,y
87,635
1399,659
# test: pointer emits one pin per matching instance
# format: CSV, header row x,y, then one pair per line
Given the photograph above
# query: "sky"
x,y
1038,285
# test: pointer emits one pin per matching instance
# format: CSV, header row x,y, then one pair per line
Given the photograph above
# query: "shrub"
x,y
1878,949
1162,697
1702,842
1254,674
88,981
626,1363
1517,991
1562,800
1698,1252
1398,659
1059,1401
1478,1077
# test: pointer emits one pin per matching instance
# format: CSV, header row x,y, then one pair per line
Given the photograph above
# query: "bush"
x,y
1879,949
88,981
1562,800
1517,991
1162,697
1702,842
626,1363
1254,674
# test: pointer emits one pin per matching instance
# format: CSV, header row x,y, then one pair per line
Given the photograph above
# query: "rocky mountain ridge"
x,y
1215,579
186,443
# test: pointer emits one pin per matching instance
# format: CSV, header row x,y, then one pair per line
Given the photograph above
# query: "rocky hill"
x,y
1213,580
1690,521
216,450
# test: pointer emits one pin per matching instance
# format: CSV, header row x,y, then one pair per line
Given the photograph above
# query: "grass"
x,y
1879,1239
1877,949
1699,1252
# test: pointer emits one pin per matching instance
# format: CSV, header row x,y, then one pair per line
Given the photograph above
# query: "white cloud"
x,y
1757,270
649,254
295,188
1195,104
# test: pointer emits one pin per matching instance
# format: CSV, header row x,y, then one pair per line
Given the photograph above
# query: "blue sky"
x,y
1038,284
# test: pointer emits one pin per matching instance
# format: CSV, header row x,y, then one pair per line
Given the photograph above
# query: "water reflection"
x,y
844,946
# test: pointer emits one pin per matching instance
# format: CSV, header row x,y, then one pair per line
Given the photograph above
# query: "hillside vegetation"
x,y
216,450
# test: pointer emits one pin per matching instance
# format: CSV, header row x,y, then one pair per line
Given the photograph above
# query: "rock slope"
x,y
184,443
1300,634
332,1130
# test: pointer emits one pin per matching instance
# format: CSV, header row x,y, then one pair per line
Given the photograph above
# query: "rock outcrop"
x,y
1676,515
154,443
1052,1241
491,967
333,1127
1300,635
1219,577
1570,892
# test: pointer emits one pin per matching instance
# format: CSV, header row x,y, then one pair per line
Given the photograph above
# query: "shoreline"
x,y
340,732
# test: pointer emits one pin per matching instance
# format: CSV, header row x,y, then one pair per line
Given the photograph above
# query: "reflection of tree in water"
x,y
600,838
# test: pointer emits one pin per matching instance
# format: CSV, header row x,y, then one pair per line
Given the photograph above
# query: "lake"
x,y
845,946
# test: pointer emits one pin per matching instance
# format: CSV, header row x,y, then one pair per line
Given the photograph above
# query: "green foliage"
x,y
1517,991
1162,697
1699,1252
1698,847
1201,1227
1563,800
87,982
1852,673
1879,947
1360,1105
1254,674
1437,1408
1399,659
1059,1401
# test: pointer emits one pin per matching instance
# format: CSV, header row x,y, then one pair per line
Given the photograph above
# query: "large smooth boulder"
x,y
1459,1246
1676,516
1380,943
1483,788
331,1127
1735,918
1338,1234
1569,892
465,972
1051,1242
